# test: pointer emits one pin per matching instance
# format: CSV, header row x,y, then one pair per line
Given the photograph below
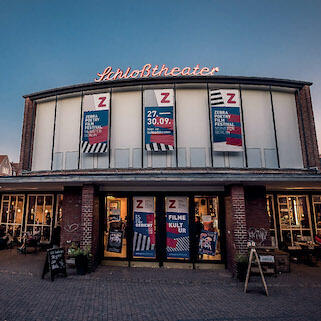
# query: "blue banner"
x,y
227,126
177,242
95,131
226,120
144,234
159,128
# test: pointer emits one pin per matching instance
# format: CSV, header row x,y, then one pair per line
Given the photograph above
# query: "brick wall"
x,y
230,248
257,220
27,135
236,229
90,223
310,151
80,220
71,216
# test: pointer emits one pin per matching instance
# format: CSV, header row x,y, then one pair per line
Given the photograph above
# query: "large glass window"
x,y
39,216
295,220
316,200
177,227
206,227
115,243
271,215
144,227
12,207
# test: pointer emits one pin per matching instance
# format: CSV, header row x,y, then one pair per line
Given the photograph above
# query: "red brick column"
x,y
90,223
71,216
236,229
27,135
308,137
257,219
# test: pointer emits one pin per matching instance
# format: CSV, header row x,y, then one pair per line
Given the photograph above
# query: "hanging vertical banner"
x,y
95,127
144,227
226,120
159,120
177,240
208,241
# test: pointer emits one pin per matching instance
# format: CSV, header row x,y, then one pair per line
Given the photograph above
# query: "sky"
x,y
52,43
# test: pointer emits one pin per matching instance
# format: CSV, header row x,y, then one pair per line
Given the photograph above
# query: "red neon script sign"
x,y
156,71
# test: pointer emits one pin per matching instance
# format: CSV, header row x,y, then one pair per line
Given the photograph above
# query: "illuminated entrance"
x,y
183,228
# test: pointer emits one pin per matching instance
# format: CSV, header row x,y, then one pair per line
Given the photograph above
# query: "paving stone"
x,y
119,293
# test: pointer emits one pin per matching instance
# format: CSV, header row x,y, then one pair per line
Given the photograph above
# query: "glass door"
x,y
206,228
115,226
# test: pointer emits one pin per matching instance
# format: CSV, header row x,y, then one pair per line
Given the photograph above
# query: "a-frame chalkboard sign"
x,y
55,263
254,258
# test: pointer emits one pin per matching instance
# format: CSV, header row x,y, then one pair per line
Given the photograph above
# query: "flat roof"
x,y
242,80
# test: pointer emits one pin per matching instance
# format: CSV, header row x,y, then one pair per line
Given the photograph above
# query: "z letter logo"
x,y
139,204
164,99
172,204
230,100
101,104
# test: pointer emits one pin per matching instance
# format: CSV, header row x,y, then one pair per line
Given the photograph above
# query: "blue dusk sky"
x,y
52,43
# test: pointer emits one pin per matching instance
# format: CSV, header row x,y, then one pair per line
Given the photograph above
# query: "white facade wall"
x,y
193,133
42,147
126,133
259,129
287,129
193,128
67,133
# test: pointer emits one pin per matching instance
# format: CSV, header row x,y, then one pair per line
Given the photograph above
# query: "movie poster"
x,y
208,242
95,127
159,120
144,227
226,120
177,227
115,241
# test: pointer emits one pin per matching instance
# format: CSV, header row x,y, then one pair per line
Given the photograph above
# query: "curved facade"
x,y
171,169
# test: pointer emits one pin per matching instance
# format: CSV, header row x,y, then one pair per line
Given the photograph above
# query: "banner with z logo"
x,y
95,127
159,120
177,227
226,120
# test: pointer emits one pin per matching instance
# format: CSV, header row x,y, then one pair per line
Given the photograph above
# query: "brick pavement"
x,y
117,293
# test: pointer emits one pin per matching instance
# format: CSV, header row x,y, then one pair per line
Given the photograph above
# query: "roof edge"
x,y
242,80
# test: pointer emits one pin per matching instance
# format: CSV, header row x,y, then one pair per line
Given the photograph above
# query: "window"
x,y
295,220
12,207
39,215
177,227
316,201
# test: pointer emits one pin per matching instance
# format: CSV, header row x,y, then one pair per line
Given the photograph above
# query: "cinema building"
x,y
164,170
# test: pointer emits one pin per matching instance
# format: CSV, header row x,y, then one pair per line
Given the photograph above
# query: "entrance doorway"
x,y
207,228
160,228
115,224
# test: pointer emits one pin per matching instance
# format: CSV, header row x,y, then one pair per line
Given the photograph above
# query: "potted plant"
x,y
241,266
81,259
